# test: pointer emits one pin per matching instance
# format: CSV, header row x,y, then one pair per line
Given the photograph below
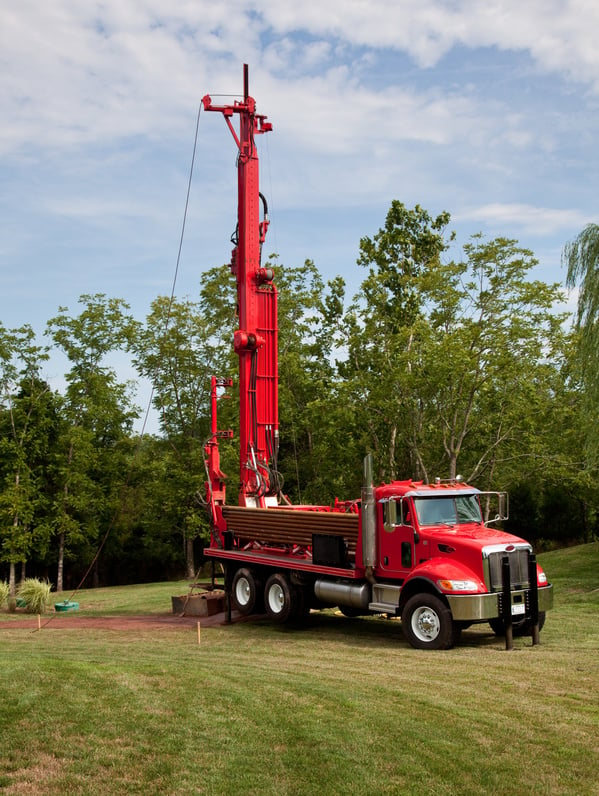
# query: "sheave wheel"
x,y
246,592
427,623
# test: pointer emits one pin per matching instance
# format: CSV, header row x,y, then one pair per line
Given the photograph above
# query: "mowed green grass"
x,y
339,707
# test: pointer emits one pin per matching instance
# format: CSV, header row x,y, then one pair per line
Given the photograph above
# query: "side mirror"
x,y
495,506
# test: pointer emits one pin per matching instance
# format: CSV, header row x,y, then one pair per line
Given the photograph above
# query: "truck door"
x,y
396,537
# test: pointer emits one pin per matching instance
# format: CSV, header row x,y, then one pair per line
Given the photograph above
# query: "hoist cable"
x,y
176,274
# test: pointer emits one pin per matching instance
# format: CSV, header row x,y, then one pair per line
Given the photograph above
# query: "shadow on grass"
x,y
367,631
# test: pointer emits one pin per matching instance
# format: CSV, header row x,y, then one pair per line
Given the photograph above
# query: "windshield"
x,y
448,510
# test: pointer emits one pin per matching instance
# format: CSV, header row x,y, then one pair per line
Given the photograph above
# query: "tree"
x,y
496,349
553,489
99,414
383,329
449,364
310,313
24,426
582,259
178,349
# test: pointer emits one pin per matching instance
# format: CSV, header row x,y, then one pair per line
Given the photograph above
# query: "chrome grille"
x,y
518,567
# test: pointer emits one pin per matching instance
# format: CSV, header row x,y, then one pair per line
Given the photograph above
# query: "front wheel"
x,y
427,623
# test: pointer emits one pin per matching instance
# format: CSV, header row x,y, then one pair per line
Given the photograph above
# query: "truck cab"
x,y
433,540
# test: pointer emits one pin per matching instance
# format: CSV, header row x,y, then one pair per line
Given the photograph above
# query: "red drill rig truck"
x,y
422,552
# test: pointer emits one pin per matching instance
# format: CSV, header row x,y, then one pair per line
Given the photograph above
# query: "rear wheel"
x,y
427,623
247,592
282,600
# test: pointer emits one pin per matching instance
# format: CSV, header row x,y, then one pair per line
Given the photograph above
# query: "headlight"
x,y
458,585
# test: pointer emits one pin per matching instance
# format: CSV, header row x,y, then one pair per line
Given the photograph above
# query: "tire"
x,y
246,592
281,600
301,608
519,628
427,623
457,632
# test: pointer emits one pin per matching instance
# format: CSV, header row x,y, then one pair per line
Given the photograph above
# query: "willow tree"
x,y
582,259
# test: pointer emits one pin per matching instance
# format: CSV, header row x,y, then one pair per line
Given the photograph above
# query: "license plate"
x,y
518,608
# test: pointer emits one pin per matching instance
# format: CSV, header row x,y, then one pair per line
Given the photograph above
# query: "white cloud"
x,y
85,72
560,35
99,102
333,114
536,220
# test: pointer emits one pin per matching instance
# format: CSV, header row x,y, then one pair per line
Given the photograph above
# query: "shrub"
x,y
35,593
4,590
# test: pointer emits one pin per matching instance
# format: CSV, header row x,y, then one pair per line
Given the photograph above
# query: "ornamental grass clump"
x,y
4,591
35,594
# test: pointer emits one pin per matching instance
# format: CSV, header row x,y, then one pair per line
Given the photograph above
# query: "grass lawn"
x,y
339,707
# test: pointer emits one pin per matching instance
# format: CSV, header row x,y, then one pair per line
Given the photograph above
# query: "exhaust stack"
x,y
368,519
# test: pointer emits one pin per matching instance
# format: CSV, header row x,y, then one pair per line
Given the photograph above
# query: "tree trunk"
x,y
453,465
392,444
12,580
189,559
60,572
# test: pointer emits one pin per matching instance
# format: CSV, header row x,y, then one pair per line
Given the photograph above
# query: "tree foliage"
x,y
447,360
25,424
582,259
89,466
442,362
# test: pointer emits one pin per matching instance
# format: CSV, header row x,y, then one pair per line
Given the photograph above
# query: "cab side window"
x,y
396,512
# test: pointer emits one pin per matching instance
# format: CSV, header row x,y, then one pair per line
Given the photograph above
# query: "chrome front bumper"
x,y
477,607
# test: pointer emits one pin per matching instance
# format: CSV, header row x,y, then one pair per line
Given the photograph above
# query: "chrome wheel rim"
x,y
426,624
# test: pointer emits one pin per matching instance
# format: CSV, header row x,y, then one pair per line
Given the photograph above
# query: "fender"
x,y
448,577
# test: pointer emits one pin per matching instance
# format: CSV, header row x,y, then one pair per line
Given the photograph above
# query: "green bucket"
x,y
66,605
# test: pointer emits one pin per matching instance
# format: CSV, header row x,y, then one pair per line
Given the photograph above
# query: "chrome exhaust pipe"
x,y
368,520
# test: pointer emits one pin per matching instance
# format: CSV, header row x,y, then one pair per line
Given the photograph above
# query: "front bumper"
x,y
480,607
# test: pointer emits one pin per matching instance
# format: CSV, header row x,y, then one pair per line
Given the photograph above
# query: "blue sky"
x,y
487,109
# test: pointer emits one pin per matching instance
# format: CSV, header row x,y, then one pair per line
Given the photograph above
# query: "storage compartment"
x,y
328,550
